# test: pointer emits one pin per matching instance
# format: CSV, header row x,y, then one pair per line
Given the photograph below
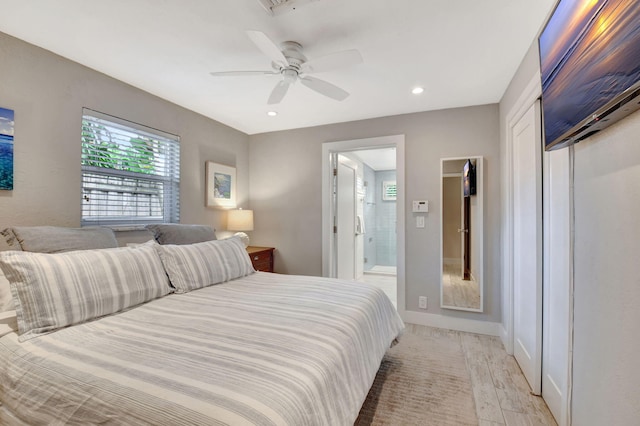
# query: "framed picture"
x,y
6,149
220,185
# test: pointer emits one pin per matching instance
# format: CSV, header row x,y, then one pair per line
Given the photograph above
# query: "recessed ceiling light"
x,y
272,113
417,90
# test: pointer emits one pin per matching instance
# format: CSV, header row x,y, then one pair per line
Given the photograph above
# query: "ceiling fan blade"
x,y
278,92
242,73
332,61
325,88
268,47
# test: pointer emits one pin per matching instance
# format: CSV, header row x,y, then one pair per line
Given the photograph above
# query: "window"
x,y
130,173
389,190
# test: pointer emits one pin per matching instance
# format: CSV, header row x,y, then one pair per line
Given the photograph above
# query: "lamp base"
x,y
244,237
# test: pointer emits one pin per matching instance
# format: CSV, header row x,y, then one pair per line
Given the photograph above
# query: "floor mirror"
x,y
461,233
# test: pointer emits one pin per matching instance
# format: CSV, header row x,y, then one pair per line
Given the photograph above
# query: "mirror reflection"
x,y
461,233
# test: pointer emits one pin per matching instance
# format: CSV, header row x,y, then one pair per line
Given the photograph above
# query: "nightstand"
x,y
261,258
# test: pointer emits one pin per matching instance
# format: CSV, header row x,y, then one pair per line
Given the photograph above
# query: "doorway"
x,y
363,224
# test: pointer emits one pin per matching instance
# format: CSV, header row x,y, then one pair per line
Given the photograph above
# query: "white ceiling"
x,y
378,159
464,52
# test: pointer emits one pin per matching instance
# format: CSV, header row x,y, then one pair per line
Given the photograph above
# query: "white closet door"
x,y
557,283
527,246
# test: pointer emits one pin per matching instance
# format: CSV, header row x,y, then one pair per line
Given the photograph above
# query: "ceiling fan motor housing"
x,y
292,51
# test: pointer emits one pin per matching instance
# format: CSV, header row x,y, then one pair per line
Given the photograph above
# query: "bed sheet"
x,y
266,349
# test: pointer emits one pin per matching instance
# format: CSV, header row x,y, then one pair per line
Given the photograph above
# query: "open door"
x,y
345,220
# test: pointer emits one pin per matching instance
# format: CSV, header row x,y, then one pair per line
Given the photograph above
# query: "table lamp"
x,y
240,220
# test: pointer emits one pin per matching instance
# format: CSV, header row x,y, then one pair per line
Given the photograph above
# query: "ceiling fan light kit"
x,y
288,61
278,7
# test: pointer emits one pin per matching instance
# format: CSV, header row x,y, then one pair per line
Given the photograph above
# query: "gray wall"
x,y
606,378
286,191
48,92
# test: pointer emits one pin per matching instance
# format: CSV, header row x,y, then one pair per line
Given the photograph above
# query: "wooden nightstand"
x,y
262,258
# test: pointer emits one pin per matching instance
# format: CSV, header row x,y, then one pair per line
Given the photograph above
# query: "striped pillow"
x,y
200,265
52,291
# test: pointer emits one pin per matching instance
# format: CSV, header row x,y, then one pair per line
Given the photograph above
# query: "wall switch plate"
x,y
419,221
422,302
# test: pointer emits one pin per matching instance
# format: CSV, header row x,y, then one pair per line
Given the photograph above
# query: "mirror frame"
x,y
479,233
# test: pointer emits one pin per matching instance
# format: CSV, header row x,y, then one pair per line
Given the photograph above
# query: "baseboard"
x,y
453,323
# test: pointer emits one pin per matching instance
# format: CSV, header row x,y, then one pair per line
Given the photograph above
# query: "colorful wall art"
x,y
6,149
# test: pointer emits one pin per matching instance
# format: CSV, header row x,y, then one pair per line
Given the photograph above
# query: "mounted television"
x,y
590,68
469,179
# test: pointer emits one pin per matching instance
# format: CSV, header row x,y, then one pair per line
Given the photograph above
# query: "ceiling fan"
x,y
289,62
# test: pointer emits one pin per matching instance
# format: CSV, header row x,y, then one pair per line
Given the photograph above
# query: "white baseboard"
x,y
453,323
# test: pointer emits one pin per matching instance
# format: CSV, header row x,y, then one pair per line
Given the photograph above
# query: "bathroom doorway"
x,y
365,197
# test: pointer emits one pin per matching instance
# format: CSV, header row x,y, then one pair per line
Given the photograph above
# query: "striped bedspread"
x,y
266,349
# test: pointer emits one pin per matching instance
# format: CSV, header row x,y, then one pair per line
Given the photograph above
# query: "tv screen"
x,y
469,179
590,67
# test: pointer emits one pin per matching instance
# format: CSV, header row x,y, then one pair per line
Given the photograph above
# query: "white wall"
x,y
606,377
48,92
286,191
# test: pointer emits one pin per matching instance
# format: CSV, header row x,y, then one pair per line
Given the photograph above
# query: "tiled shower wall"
x,y
385,222
380,221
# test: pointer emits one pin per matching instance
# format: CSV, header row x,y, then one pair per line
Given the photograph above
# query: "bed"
x,y
250,348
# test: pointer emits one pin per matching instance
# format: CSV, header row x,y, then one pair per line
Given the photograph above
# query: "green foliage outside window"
x,y
100,150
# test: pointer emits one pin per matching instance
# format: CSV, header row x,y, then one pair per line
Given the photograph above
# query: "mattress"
x,y
266,349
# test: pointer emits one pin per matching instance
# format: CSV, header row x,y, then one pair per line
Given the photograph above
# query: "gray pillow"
x,y
54,239
174,233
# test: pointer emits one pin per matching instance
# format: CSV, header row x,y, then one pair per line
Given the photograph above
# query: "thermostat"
x,y
421,206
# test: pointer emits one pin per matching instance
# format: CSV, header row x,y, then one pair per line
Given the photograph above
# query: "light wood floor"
x,y
386,283
458,292
501,393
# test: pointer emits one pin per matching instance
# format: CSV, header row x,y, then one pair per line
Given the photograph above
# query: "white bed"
x,y
262,349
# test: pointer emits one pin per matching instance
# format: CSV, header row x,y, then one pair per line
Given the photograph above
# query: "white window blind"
x,y
130,173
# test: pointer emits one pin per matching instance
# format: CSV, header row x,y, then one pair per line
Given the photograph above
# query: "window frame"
x,y
169,180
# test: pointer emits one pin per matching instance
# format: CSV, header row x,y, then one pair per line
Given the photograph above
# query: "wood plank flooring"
x,y
501,393
456,291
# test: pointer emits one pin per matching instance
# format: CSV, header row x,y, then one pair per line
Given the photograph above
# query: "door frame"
x,y
528,96
329,148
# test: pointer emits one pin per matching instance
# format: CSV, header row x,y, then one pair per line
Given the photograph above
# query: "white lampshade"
x,y
240,220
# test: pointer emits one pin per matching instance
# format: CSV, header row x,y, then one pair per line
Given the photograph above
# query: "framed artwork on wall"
x,y
220,185
6,149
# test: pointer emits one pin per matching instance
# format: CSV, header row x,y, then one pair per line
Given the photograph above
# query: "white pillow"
x,y
194,266
6,301
51,291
